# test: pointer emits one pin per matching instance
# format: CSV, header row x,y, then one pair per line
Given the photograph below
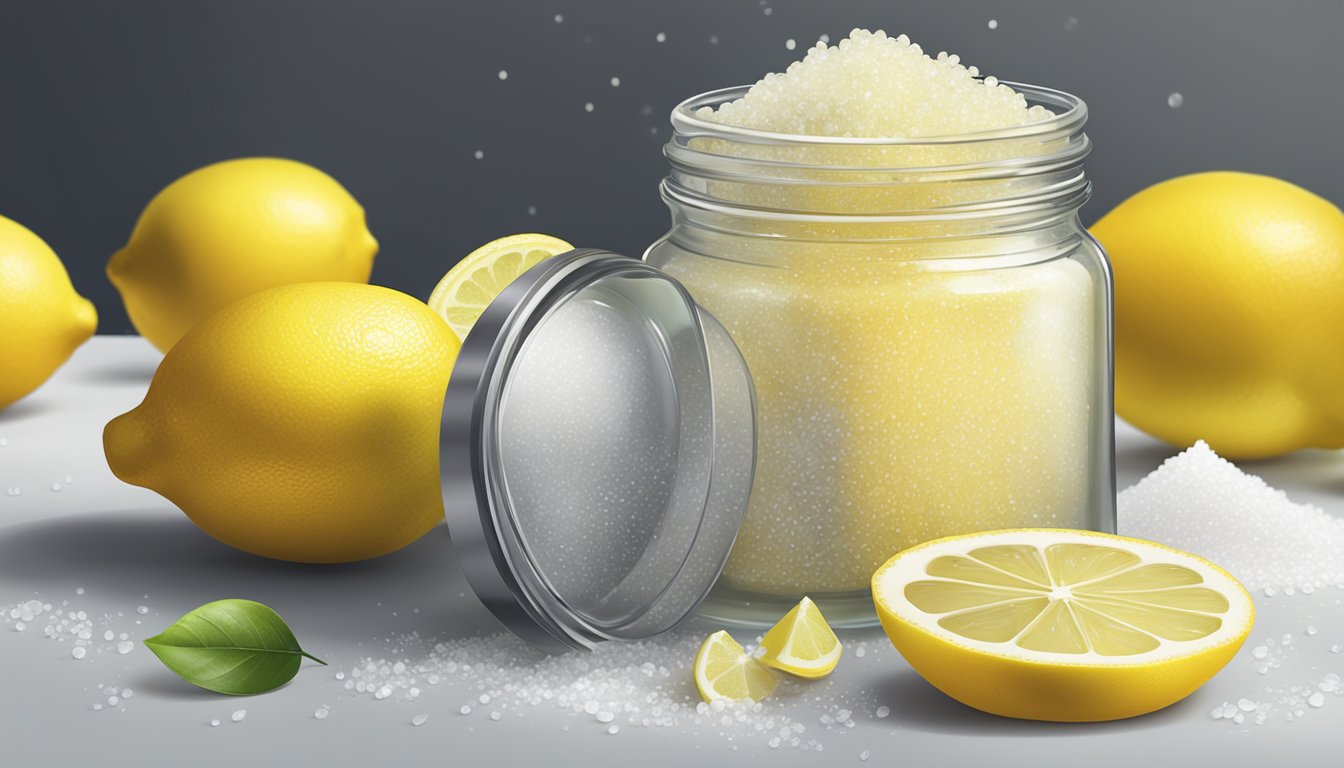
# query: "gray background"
x,y
104,102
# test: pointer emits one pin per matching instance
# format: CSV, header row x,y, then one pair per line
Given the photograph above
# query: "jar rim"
x,y
1064,123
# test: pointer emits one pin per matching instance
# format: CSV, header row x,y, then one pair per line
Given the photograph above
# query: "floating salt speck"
x,y
1316,699
605,717
479,154
113,701
19,626
1336,648
4,442
465,709
860,651
79,590
14,490
713,39
588,107
993,24
419,720
124,647
1071,24
865,754
56,487
882,711
531,210
1246,705
661,37
1175,100
495,715
214,723
559,18
615,82
768,10
238,716
1311,629
142,610
78,652
503,74
322,712
128,693
825,38
790,44
613,730
109,635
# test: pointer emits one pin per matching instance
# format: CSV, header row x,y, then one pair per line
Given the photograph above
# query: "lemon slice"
x,y
724,671
802,643
469,287
1061,625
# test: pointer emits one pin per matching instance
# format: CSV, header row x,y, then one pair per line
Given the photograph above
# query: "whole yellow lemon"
x,y
300,423
232,229
1229,313
42,319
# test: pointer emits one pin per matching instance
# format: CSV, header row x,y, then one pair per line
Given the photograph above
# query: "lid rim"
x,y
490,538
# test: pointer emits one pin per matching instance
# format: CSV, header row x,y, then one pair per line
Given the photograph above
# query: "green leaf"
x,y
238,647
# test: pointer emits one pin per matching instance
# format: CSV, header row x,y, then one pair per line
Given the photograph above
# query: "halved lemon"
x,y
1062,625
475,281
802,643
724,671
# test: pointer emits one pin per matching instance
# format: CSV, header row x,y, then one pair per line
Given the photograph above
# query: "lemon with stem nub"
x,y
42,319
300,423
802,643
723,670
469,287
1065,625
233,229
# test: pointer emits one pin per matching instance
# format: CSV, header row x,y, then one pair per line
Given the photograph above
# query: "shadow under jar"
x,y
928,325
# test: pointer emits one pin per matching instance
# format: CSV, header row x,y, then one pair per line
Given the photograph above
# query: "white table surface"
x,y
127,547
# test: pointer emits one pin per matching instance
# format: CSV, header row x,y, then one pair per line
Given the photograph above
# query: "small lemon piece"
x,y
42,319
475,281
724,671
1228,316
300,423
802,643
1046,624
233,229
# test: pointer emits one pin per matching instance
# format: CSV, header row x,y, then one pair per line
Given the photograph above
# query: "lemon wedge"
x,y
469,287
802,643
724,671
1061,625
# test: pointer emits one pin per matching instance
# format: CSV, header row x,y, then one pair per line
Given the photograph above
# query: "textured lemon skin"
x,y
1228,320
300,423
42,319
232,229
1064,692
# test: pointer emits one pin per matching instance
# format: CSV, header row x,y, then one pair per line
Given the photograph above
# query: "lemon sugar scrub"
x,y
892,242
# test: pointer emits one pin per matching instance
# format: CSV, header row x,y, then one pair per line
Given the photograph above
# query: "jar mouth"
x,y
1070,115
1030,170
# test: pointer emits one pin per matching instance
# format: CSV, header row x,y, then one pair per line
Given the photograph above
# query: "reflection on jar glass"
x,y
928,327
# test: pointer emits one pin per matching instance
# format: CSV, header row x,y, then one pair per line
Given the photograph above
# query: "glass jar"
x,y
928,326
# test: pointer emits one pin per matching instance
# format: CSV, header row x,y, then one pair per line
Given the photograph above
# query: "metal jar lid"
x,y
596,452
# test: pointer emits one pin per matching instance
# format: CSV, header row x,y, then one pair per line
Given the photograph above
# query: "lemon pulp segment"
x,y
802,643
723,670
